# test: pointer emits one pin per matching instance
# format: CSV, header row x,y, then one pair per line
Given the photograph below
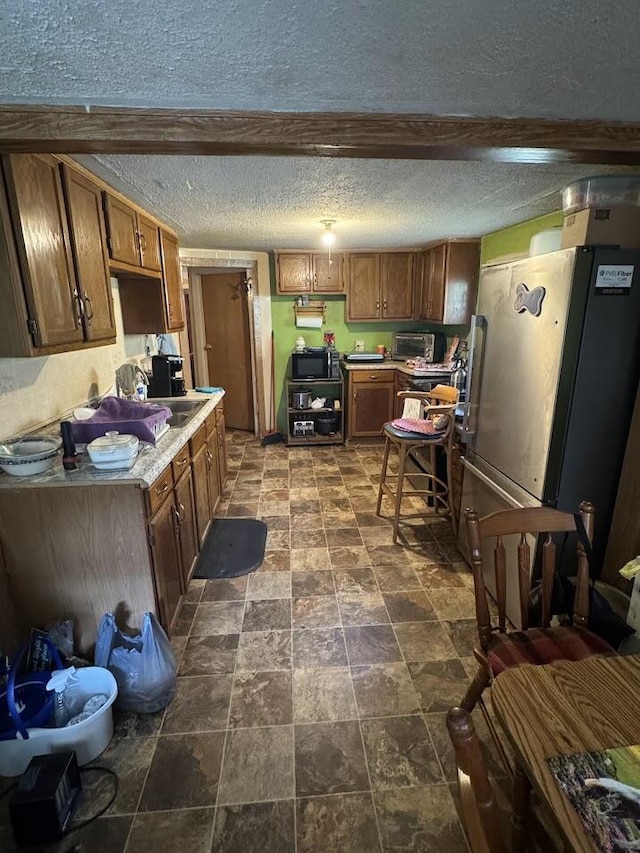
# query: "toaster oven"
x,y
428,345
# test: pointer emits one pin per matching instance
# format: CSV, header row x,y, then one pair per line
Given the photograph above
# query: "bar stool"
x,y
440,401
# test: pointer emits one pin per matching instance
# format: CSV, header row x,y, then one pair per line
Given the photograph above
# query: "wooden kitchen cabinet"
x,y
396,284
187,531
41,233
327,276
172,281
164,543
222,447
149,243
133,239
91,260
91,548
449,282
122,226
371,402
213,473
53,260
293,271
363,286
200,468
380,286
309,272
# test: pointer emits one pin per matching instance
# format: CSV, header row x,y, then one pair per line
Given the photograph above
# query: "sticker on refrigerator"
x,y
614,278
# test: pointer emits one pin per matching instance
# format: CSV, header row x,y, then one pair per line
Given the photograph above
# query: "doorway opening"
x,y
225,312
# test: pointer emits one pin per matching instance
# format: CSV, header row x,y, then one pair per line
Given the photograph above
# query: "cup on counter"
x,y
381,349
359,346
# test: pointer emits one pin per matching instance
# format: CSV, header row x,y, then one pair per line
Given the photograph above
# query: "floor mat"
x,y
233,547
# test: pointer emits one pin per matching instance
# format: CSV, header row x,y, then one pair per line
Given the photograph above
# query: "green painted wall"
x,y
516,238
285,334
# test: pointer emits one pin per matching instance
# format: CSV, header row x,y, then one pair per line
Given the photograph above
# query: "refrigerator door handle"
x,y
478,321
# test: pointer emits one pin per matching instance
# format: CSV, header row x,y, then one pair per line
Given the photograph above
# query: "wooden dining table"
x,y
560,709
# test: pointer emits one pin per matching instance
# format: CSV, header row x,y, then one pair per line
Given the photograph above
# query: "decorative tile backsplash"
x,y
35,391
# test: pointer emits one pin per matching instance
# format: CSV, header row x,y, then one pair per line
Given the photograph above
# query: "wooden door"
x,y
327,277
396,277
213,476
42,238
222,452
200,468
438,282
122,231
294,272
149,243
89,244
172,281
187,530
363,290
426,263
166,561
228,344
372,406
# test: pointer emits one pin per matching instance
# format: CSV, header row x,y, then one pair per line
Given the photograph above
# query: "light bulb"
x,y
328,238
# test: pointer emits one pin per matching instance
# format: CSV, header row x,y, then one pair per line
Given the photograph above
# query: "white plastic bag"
x,y
144,666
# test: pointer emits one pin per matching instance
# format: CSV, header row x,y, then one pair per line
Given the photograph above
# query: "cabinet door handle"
x,y
88,308
378,305
143,242
80,304
161,491
315,279
182,461
384,304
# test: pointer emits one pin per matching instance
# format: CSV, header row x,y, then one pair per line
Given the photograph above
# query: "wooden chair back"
x,y
535,521
478,805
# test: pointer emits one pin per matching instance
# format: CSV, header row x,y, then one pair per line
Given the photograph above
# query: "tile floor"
x,y
311,695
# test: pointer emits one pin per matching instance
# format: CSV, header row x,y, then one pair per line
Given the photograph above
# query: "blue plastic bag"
x,y
144,666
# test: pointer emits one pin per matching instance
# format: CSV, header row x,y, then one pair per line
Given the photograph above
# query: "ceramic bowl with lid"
x,y
114,450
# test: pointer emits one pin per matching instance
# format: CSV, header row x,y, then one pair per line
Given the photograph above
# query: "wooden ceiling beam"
x,y
111,130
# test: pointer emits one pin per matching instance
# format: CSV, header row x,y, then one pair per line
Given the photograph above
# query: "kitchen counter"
x,y
150,463
395,365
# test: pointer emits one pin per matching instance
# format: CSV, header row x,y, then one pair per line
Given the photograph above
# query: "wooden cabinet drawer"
x,y
198,439
180,463
160,490
381,376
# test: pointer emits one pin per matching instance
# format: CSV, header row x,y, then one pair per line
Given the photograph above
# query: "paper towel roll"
x,y
309,322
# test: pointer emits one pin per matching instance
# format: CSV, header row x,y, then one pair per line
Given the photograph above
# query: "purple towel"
x,y
125,416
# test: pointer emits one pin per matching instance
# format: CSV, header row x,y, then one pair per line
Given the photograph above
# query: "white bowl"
x,y
29,448
29,467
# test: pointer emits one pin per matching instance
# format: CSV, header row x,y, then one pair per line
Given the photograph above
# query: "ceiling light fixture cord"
x,y
329,237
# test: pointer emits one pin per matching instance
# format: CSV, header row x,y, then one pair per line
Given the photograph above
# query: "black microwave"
x,y
315,364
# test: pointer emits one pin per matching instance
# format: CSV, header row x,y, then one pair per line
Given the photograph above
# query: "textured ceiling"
x,y
258,203
462,57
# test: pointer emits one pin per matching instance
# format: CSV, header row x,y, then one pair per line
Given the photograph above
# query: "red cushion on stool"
x,y
544,645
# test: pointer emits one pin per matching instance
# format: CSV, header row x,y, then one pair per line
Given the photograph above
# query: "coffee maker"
x,y
164,380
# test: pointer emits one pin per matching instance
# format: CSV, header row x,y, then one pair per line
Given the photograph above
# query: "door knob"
x,y
208,346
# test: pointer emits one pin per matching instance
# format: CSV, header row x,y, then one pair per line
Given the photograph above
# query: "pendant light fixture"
x,y
328,237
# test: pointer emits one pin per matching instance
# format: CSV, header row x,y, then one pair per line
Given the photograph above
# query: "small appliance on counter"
x,y
315,363
164,380
428,345
357,357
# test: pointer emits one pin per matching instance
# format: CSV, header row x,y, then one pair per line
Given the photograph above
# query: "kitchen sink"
x,y
183,410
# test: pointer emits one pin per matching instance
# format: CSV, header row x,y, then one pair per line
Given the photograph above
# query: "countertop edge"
x,y
147,469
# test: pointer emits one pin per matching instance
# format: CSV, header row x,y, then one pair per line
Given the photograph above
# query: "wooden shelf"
x,y
313,381
337,438
324,409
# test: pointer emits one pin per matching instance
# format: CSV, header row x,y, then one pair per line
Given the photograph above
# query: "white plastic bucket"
x,y
88,738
